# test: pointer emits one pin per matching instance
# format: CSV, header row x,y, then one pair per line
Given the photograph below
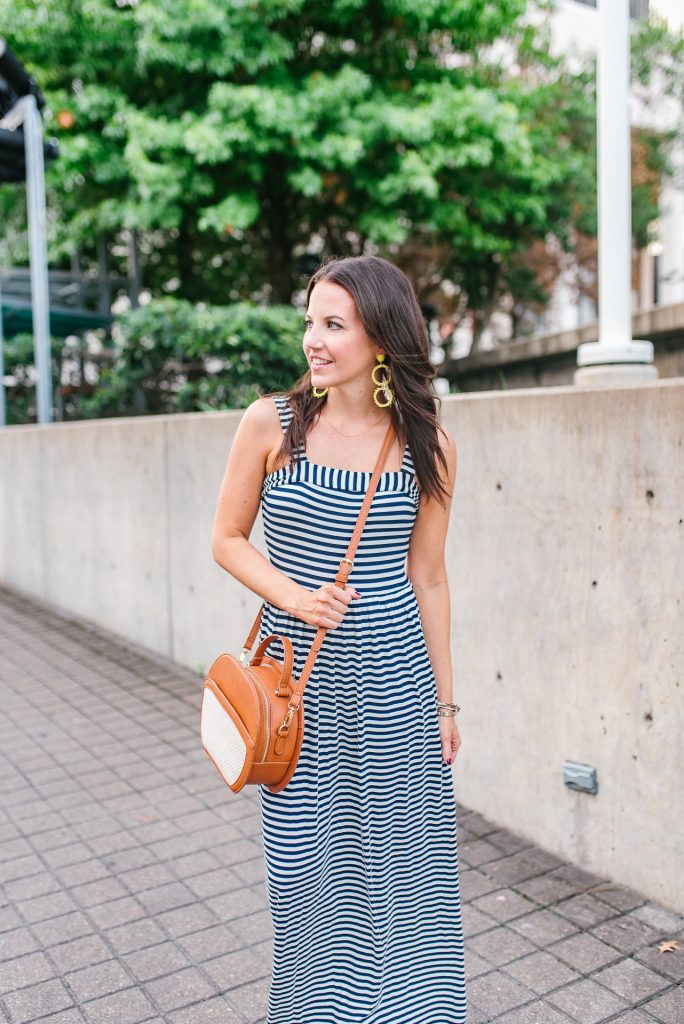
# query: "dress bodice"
x,y
309,512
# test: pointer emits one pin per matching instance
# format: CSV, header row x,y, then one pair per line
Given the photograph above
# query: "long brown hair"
x,y
392,317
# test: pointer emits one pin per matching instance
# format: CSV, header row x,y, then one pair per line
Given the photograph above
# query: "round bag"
x,y
249,728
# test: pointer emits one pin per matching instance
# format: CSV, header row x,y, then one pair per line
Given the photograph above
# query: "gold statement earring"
x,y
384,384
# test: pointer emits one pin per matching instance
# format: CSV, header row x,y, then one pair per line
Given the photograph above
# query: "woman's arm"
x,y
257,435
426,568
238,505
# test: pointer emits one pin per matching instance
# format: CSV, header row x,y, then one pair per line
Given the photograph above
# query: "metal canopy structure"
x,y
15,82
21,124
12,152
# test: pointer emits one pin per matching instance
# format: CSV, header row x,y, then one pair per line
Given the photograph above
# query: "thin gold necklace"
x,y
352,435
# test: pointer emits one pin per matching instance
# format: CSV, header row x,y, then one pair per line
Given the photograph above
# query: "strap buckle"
x,y
349,560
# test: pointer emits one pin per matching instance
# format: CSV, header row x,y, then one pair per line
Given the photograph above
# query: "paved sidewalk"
x,y
133,884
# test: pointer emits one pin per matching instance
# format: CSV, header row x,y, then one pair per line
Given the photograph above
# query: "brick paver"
x,y
133,882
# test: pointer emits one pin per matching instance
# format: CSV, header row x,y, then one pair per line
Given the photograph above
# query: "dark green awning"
x,y
18,319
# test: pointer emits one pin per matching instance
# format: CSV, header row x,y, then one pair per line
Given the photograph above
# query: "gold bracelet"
x,y
448,706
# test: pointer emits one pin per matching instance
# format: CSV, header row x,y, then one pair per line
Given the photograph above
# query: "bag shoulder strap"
x,y
341,577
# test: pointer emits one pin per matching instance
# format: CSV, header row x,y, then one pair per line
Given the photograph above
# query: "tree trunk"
x,y
184,259
280,261
133,265
483,314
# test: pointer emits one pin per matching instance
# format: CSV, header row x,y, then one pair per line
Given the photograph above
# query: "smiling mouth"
x,y
316,363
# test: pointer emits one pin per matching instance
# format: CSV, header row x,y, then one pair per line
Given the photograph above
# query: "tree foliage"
x,y
240,138
168,356
236,136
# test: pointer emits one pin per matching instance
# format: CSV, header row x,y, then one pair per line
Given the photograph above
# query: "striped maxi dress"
x,y
360,848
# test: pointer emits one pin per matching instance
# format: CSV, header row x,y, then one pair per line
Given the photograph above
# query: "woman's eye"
x,y
307,324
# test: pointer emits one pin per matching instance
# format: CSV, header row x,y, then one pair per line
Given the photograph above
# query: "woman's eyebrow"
x,y
330,316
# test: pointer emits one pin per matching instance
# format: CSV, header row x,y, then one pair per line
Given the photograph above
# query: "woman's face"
x,y
335,343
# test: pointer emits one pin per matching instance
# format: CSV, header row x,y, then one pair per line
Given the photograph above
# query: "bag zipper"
x,y
267,709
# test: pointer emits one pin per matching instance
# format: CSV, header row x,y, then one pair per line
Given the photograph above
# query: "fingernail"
x,y
449,761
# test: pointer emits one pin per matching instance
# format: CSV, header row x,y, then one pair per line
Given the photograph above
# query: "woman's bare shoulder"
x,y
262,414
263,427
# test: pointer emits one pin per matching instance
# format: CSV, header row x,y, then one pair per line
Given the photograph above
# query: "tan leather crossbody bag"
x,y
252,716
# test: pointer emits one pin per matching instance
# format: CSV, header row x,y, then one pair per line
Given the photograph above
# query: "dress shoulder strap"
x,y
407,463
284,411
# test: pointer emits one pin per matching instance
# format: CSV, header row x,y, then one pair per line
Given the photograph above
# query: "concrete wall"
x,y
566,556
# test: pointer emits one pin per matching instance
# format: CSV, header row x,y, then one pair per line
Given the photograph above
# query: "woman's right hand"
x,y
326,606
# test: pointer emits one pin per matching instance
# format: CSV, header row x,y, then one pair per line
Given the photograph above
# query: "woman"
x,y
360,846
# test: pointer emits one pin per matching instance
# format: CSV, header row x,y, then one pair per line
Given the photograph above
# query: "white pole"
x,y
37,225
614,175
3,403
615,345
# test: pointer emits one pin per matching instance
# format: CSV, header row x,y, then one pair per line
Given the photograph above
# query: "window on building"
x,y
637,8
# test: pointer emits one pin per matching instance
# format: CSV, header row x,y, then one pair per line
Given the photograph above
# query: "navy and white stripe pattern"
x,y
360,847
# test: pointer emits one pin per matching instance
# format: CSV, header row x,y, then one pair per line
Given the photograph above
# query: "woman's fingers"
x,y
334,602
451,739
326,606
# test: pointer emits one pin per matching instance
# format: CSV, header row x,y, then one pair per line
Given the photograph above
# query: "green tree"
x,y
237,138
233,137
